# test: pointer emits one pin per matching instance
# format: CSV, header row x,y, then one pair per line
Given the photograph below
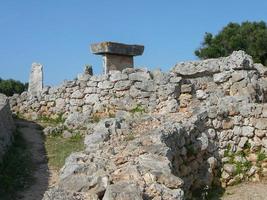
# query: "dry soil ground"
x,y
247,191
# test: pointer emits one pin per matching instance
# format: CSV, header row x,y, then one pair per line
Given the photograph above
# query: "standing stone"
x,y
117,56
36,79
88,70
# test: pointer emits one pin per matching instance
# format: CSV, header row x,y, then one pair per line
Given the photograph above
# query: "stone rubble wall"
x,y
233,91
154,91
165,161
211,127
6,125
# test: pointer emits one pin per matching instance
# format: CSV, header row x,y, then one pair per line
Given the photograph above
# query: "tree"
x,y
248,36
10,87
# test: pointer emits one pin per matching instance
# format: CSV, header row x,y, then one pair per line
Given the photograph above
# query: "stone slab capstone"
x,y
117,49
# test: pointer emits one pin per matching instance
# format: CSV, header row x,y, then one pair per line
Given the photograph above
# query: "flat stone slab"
x,y
117,49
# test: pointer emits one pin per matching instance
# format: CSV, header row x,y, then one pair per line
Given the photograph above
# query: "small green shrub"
x,y
260,156
242,167
239,168
138,109
247,165
241,153
58,120
247,145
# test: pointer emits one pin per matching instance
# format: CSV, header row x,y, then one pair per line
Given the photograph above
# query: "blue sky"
x,y
57,33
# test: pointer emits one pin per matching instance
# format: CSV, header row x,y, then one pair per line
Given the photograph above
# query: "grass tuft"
x,y
58,120
261,156
138,109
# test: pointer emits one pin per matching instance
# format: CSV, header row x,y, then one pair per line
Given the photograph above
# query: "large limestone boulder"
x,y
123,191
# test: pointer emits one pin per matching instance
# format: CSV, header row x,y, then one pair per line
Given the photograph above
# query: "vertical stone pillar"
x,y
36,79
117,56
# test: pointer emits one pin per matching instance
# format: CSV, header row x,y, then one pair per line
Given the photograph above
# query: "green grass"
x,y
247,145
58,149
260,156
58,120
16,169
138,109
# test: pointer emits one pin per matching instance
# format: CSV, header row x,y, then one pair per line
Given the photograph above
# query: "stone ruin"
x,y
117,56
160,135
36,79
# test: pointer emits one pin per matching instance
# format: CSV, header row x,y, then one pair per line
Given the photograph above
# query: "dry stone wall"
x,y
6,125
126,90
202,123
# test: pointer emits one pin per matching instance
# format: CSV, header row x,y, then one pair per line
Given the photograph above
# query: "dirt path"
x,y
246,191
44,176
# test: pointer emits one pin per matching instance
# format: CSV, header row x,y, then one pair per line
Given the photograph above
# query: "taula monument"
x,y
117,56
